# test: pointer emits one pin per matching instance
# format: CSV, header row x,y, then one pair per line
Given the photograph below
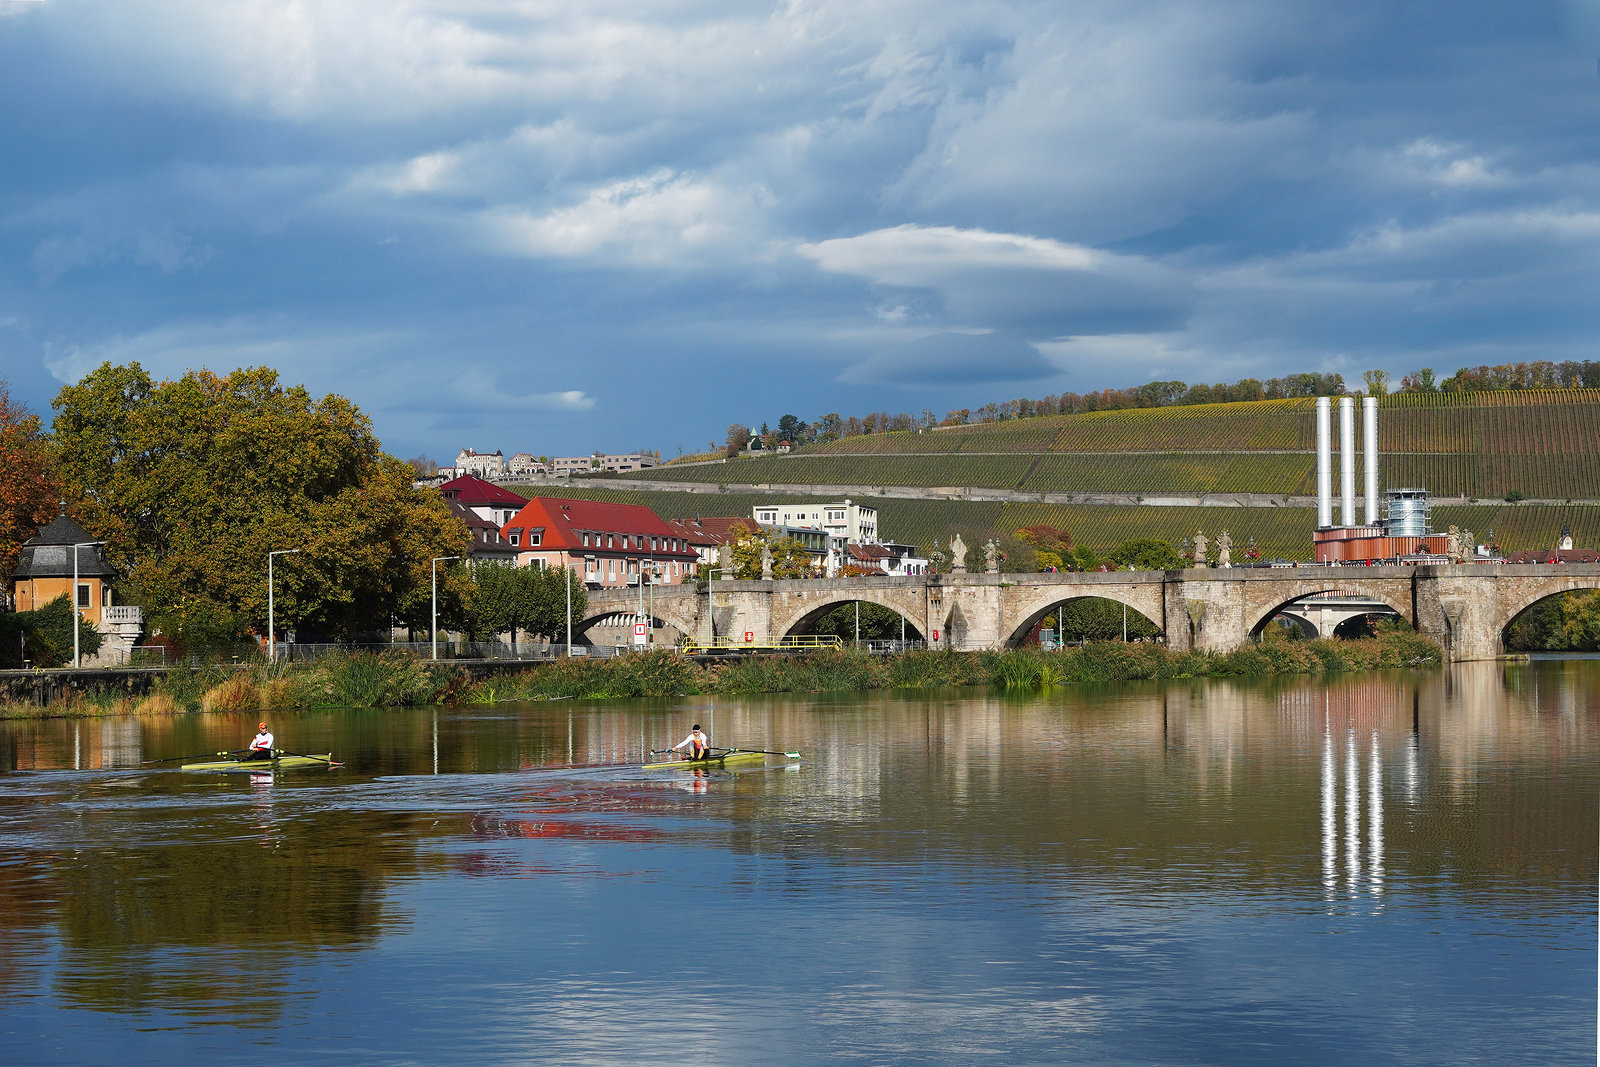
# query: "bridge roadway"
x,y
1465,607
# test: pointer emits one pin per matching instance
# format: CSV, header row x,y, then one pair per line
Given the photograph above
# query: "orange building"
x,y
45,571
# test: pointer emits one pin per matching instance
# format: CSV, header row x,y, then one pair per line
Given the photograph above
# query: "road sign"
x,y
638,629
749,635
936,635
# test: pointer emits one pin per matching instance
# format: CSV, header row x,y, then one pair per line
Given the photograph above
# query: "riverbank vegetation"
x,y
399,679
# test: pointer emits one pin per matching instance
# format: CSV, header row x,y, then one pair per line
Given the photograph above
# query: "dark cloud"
x,y
635,206
945,359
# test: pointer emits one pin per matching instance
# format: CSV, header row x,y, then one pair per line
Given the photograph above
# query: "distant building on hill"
x,y
525,465
483,464
565,466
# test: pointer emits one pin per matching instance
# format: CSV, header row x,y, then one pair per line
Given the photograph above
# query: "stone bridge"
x,y
1465,607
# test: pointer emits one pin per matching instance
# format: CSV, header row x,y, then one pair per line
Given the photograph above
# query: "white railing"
x,y
123,615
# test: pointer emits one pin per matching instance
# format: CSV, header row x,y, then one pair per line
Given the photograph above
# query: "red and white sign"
x,y
638,629
749,635
936,635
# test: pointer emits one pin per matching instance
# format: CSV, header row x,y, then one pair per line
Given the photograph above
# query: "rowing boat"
x,y
731,756
264,766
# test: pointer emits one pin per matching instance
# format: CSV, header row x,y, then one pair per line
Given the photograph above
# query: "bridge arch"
x,y
792,618
1259,614
1513,608
1030,602
1020,632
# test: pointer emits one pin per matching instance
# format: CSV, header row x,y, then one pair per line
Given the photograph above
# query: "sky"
x,y
558,226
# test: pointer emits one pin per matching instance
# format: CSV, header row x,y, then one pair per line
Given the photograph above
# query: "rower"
x,y
698,744
261,744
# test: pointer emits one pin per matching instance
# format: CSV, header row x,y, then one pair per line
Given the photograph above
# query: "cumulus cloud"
x,y
920,192
659,218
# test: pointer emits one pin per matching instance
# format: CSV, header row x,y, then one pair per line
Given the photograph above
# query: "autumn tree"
x,y
789,557
192,482
27,497
1146,554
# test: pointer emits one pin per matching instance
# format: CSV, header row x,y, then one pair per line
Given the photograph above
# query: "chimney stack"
x,y
1324,463
1369,434
1347,461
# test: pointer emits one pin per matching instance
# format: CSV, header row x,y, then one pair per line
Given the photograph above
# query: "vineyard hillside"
x,y
1536,444
1279,533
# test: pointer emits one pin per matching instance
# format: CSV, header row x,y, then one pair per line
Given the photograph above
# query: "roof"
x,y
716,530
473,491
563,520
876,552
48,554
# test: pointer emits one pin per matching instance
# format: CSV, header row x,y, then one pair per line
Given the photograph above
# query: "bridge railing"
x,y
697,646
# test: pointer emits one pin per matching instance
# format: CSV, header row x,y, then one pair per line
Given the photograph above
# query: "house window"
x,y
611,568
611,540
588,564
83,596
536,537
516,537
585,539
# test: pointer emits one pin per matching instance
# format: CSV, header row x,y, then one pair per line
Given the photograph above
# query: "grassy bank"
x,y
398,679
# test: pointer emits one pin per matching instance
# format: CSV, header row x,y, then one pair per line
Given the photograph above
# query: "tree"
x,y
878,623
738,437
1146,554
1377,382
27,495
43,636
192,482
789,557
1052,547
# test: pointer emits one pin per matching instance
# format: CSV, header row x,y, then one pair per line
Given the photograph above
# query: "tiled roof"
x,y
715,530
48,554
563,521
474,491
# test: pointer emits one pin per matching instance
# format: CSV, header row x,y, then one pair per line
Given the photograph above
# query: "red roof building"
x,y
609,544
707,535
486,499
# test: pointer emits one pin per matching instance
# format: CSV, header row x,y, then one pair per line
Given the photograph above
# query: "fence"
x,y
528,651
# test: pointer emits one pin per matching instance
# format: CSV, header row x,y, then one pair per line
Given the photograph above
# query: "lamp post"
x,y
77,617
433,621
272,619
569,611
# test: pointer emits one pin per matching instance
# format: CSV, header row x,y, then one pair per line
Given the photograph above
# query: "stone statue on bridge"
x,y
1200,544
1225,550
766,562
725,560
1453,543
958,556
991,557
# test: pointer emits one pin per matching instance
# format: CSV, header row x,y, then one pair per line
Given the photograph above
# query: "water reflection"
x,y
946,833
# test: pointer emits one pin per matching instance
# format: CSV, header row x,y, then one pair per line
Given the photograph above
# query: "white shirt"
x,y
694,736
263,742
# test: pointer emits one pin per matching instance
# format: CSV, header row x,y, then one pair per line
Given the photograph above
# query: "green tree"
x,y
1099,619
192,482
1146,554
43,637
878,623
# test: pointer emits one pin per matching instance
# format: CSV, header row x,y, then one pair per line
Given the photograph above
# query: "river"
x,y
1394,867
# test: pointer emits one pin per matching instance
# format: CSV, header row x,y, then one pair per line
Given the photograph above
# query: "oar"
x,y
203,755
770,752
302,755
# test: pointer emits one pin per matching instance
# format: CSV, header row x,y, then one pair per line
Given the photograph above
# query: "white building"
x,y
483,464
525,465
855,523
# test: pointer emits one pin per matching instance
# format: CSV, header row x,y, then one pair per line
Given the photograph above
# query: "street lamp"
x,y
433,623
77,617
272,620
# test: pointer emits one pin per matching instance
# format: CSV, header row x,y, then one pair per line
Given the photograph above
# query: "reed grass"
x,y
395,679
